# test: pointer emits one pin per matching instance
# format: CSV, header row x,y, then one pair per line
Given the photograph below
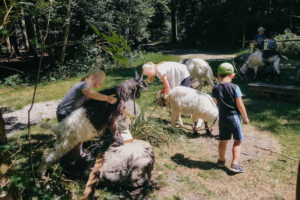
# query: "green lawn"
x,y
175,152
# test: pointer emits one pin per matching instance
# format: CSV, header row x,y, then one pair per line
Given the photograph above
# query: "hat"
x,y
225,69
261,29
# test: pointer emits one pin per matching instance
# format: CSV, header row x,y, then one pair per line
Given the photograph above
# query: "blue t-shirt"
x,y
260,41
73,100
226,94
272,44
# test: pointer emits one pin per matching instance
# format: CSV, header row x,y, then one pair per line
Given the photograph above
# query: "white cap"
x,y
261,29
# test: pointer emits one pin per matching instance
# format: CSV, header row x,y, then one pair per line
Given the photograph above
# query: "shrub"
x,y
290,49
13,80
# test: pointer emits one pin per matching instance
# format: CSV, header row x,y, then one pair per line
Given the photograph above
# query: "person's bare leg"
x,y
236,151
222,149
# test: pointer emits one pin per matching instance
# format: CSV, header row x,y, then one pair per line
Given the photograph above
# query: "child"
x,y
272,44
259,39
172,74
76,97
230,104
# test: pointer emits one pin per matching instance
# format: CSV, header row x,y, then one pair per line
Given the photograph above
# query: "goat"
x,y
91,120
261,59
189,101
199,69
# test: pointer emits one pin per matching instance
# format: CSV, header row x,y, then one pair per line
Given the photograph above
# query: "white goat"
x,y
189,101
263,58
68,135
200,70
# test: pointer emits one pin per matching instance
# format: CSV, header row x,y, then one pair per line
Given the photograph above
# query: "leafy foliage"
x,y
288,48
13,80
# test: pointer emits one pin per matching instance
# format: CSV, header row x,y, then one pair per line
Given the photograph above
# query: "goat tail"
x,y
46,126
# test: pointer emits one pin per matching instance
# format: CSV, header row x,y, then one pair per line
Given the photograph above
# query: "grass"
x,y
185,167
20,96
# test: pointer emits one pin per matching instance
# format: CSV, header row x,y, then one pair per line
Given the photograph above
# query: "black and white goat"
x,y
92,120
263,59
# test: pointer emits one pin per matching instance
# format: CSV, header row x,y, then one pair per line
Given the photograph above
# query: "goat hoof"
x,y
208,133
195,134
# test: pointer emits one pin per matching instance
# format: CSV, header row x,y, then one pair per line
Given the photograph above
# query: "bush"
x,y
290,49
13,80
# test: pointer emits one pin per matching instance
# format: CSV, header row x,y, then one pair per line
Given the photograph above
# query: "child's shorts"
x,y
230,125
186,82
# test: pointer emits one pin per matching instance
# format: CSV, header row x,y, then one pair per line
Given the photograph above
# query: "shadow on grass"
x,y
122,192
204,165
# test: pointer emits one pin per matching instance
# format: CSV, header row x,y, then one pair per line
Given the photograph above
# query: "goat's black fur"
x,y
104,115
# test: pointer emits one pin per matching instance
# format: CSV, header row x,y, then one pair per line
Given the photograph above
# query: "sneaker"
x,y
237,168
221,163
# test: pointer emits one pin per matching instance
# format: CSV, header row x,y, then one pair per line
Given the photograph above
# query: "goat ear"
x,y
136,75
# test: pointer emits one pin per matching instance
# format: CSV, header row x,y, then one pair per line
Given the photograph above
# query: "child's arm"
x,y
215,100
97,96
242,109
167,87
166,83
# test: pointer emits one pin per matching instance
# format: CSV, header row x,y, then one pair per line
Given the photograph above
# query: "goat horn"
x,y
141,77
136,75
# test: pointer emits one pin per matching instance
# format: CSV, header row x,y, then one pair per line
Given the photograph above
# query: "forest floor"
x,y
185,165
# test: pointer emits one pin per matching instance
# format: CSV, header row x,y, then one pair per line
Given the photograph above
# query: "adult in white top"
x,y
172,74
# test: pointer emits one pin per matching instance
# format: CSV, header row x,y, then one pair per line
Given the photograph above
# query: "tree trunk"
x,y
30,34
14,43
4,156
298,183
8,48
66,34
174,21
244,35
25,37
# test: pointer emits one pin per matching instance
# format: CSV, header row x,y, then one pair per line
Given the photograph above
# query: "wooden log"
x,y
93,179
274,88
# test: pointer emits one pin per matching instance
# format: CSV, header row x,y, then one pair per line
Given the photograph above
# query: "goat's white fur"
x,y
73,130
188,101
201,70
256,60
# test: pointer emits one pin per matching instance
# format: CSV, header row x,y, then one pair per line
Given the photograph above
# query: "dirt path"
x,y
187,169
199,54
16,120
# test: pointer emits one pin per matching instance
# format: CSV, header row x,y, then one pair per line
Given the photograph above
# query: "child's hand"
x,y
111,99
246,121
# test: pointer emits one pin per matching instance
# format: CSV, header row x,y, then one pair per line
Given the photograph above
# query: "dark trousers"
x,y
186,82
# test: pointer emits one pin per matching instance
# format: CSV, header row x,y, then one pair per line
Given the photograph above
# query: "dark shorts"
x,y
186,82
60,117
230,125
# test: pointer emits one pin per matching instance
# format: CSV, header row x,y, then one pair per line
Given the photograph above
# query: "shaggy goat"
x,y
200,70
91,120
189,101
263,58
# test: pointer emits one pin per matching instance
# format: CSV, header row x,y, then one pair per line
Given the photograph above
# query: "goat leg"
x,y
118,140
93,179
208,132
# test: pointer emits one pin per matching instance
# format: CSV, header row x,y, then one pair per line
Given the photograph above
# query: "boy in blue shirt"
x,y
259,39
228,98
